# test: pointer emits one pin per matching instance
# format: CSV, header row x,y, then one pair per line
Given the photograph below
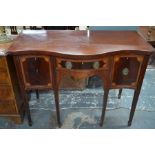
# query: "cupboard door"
x,y
126,70
36,71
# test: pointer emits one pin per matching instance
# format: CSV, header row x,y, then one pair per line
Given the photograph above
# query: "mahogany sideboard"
x,y
42,58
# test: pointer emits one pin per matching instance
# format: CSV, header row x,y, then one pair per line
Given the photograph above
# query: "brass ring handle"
x,y
125,71
68,65
96,65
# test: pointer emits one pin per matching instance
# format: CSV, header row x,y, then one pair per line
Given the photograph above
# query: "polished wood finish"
x,y
119,58
11,103
36,71
137,90
144,31
76,44
126,70
149,35
22,88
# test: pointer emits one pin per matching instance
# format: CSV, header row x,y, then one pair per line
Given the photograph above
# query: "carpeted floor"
x,y
92,97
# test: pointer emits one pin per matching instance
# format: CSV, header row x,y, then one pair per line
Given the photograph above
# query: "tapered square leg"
x,y
37,94
105,98
120,93
27,109
133,107
56,82
56,95
29,115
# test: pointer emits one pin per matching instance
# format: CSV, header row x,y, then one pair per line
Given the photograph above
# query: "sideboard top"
x,y
67,42
4,48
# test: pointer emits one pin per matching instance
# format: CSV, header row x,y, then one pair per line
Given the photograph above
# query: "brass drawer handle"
x,y
125,71
68,65
82,65
96,65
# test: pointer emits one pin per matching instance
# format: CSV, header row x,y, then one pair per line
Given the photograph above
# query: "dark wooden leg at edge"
x,y
133,107
27,108
56,94
120,93
37,94
29,115
105,98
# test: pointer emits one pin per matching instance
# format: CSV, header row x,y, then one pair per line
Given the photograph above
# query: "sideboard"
x,y
42,58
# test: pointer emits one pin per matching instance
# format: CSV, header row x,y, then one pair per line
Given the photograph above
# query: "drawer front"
x,y
36,71
3,63
79,70
4,77
83,64
126,70
7,107
6,92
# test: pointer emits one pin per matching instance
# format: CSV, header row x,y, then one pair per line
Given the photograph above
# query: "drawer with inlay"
x,y
83,64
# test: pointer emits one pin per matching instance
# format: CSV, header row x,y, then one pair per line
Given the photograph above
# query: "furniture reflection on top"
x,y
119,58
14,28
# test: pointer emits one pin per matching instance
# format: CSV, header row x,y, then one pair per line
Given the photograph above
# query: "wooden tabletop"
x,y
67,42
4,48
143,31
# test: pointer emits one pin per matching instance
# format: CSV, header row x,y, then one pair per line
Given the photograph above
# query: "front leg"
x,y
133,107
56,96
106,92
120,93
56,83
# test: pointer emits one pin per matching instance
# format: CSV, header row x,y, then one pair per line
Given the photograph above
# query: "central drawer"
x,y
82,69
94,64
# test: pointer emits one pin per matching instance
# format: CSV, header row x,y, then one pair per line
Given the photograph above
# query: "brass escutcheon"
x,y
125,71
68,65
96,65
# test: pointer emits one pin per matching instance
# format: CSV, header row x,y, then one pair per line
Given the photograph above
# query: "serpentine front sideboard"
x,y
42,58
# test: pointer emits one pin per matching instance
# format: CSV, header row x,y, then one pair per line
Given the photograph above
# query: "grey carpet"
x,y
92,97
